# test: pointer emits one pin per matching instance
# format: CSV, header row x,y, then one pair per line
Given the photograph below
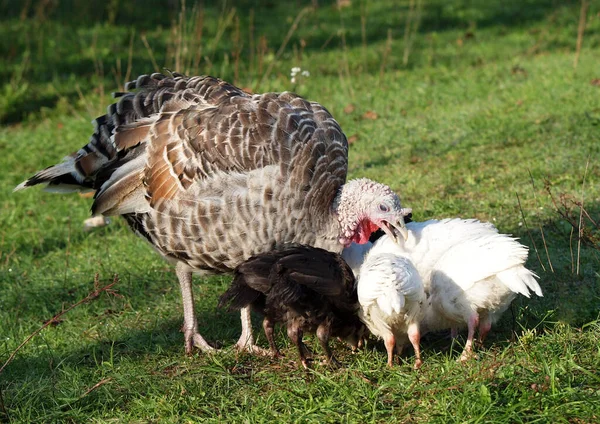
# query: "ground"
x,y
479,109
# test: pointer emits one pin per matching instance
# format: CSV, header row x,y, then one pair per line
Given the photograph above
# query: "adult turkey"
x,y
211,175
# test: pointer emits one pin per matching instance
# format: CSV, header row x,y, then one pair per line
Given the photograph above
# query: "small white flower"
x,y
296,70
520,224
293,80
305,74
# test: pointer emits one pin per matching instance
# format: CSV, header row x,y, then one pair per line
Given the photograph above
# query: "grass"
x,y
487,107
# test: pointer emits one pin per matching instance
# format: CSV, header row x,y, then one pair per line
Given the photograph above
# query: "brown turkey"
x,y
211,175
307,289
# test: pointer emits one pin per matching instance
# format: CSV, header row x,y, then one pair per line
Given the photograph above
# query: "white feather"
x,y
390,293
470,271
354,255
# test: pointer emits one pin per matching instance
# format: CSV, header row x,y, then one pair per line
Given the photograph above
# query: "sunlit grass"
x,y
487,108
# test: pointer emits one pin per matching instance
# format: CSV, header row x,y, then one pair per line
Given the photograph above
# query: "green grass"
x,y
487,108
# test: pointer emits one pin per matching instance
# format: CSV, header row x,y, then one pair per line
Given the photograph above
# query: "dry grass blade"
x,y
529,232
88,106
149,49
223,24
345,62
386,53
129,59
579,228
580,30
3,413
95,386
91,296
571,250
546,249
289,34
540,227
413,20
565,206
237,50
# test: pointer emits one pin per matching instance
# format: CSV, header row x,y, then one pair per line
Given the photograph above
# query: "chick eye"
x,y
383,207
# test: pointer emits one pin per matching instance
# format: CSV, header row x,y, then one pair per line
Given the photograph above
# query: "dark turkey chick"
x,y
306,288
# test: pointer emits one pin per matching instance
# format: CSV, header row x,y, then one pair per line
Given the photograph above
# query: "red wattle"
x,y
363,231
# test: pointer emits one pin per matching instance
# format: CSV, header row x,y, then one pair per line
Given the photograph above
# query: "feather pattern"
x,y
211,175
306,288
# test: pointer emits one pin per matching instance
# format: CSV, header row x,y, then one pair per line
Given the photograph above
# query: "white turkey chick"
x,y
354,255
470,272
392,300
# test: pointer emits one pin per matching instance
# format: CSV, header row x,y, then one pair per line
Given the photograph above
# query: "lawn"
x,y
478,108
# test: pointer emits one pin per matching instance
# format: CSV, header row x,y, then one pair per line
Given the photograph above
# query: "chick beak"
x,y
401,230
396,230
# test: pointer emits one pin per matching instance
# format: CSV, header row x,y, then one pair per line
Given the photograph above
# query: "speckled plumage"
x,y
211,175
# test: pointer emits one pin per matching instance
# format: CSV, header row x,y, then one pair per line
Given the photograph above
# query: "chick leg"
x,y
190,324
295,334
323,331
414,335
268,326
453,332
390,344
472,324
485,325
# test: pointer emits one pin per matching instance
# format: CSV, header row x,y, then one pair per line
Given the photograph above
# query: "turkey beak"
x,y
400,230
397,231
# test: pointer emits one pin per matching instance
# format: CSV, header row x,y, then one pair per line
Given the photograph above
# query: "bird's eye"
x,y
383,207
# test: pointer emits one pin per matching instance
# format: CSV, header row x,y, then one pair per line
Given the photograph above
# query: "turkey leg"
x,y
190,324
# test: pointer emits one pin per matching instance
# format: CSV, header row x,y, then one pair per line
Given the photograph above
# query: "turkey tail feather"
x,y
77,171
239,295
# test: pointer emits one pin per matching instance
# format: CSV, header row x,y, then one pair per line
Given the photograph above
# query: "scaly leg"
x,y
295,334
414,335
323,332
268,327
390,344
472,324
454,332
190,325
485,325
246,340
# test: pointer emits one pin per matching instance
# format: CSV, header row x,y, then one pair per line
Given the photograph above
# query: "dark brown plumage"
x,y
305,288
211,176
